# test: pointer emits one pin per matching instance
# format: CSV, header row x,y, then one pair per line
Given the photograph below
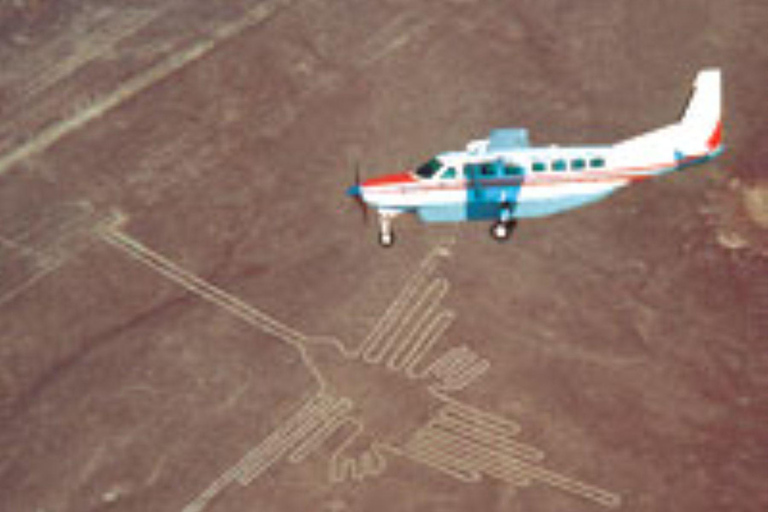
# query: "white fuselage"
x,y
502,177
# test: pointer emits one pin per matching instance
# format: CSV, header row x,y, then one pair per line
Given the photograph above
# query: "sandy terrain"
x,y
194,318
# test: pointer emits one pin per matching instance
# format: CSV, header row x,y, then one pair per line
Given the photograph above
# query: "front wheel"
x,y
501,231
386,239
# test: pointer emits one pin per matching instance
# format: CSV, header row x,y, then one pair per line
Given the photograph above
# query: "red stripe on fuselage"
x,y
390,179
545,179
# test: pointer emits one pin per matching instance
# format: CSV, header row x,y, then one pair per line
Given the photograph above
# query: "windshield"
x,y
429,169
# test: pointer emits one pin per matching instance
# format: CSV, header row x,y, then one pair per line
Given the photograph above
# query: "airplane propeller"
x,y
355,193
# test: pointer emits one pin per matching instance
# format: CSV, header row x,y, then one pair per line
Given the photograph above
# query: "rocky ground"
x,y
193,316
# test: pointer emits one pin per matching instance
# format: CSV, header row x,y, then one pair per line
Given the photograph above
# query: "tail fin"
x,y
701,128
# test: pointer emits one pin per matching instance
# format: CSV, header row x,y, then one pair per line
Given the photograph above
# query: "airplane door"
x,y
480,189
488,187
479,176
512,176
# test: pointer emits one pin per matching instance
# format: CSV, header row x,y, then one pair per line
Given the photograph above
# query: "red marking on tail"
x,y
716,138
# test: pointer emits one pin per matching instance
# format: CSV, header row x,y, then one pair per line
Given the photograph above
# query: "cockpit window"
x,y
429,169
449,174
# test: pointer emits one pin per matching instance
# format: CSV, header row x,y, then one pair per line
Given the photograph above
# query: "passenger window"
x,y
597,163
487,171
449,173
513,170
559,165
539,166
470,170
578,164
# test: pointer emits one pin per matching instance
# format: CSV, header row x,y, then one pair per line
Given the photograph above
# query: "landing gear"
x,y
386,235
386,240
502,230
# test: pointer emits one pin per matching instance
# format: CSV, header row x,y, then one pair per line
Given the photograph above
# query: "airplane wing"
x,y
507,139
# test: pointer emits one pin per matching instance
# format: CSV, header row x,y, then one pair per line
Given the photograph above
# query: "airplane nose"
x,y
354,191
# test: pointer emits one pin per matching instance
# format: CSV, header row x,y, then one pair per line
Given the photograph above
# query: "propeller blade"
x,y
363,208
357,174
355,191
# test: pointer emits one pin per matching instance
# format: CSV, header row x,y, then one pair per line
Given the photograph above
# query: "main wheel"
x,y
386,239
501,231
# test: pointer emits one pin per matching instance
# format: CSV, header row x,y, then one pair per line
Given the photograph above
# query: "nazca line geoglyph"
x,y
467,443
461,441
135,85
44,247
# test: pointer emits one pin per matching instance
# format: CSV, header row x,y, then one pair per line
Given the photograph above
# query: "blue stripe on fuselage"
x,y
491,210
485,199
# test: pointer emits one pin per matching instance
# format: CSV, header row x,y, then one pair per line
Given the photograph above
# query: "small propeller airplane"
x,y
503,178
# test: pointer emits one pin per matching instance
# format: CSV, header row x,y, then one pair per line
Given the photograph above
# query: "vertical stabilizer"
x,y
701,129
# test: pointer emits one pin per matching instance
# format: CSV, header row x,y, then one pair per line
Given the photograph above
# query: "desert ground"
x,y
193,316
